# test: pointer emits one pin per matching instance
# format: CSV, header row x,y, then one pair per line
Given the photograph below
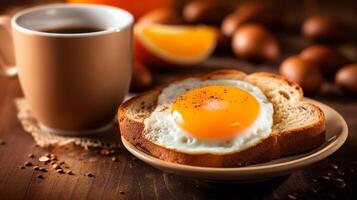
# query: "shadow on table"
x,y
213,190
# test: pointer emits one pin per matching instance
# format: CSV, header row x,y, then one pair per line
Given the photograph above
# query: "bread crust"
x,y
275,145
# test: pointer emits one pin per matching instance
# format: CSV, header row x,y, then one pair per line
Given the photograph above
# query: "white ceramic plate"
x,y
336,135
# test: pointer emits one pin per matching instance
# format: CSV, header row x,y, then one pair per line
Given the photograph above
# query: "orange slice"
x,y
180,45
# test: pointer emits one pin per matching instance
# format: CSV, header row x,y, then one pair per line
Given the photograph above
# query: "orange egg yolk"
x,y
215,112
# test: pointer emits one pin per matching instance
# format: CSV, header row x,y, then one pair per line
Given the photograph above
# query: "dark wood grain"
x,y
136,179
140,181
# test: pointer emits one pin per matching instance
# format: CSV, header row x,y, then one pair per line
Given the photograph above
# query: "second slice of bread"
x,y
298,125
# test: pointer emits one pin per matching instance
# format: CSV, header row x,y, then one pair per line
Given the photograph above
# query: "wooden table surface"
x,y
132,179
138,180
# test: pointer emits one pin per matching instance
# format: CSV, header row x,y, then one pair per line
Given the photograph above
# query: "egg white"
x,y
161,129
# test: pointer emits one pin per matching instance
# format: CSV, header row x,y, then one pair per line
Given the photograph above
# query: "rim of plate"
x,y
333,144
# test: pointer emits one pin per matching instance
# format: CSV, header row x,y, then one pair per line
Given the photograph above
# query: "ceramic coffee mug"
x,y
74,82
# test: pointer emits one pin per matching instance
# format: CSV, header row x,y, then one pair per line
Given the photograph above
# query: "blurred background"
x,y
306,41
293,10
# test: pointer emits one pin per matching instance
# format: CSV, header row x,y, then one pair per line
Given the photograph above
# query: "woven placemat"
x,y
42,138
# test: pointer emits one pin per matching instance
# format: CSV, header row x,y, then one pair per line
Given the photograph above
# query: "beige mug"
x,y
74,82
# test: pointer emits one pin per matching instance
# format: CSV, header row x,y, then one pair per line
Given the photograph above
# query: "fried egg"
x,y
210,116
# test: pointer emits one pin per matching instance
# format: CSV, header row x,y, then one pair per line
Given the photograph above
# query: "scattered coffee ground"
x,y
340,183
105,152
52,157
108,144
115,159
292,196
332,184
340,172
313,190
44,159
43,169
89,174
56,166
48,158
333,166
325,177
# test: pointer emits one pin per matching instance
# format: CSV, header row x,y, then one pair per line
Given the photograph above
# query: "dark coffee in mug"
x,y
72,30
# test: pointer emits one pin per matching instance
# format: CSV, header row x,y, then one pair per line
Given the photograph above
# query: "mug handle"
x,y
7,67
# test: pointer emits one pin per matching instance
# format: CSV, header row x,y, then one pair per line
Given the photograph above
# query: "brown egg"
x,y
208,12
320,28
327,59
253,41
349,51
141,77
346,78
304,73
230,24
253,12
165,15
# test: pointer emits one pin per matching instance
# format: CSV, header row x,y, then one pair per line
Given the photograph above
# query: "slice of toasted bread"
x,y
298,126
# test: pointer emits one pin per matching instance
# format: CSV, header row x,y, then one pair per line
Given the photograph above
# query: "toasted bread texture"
x,y
298,125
